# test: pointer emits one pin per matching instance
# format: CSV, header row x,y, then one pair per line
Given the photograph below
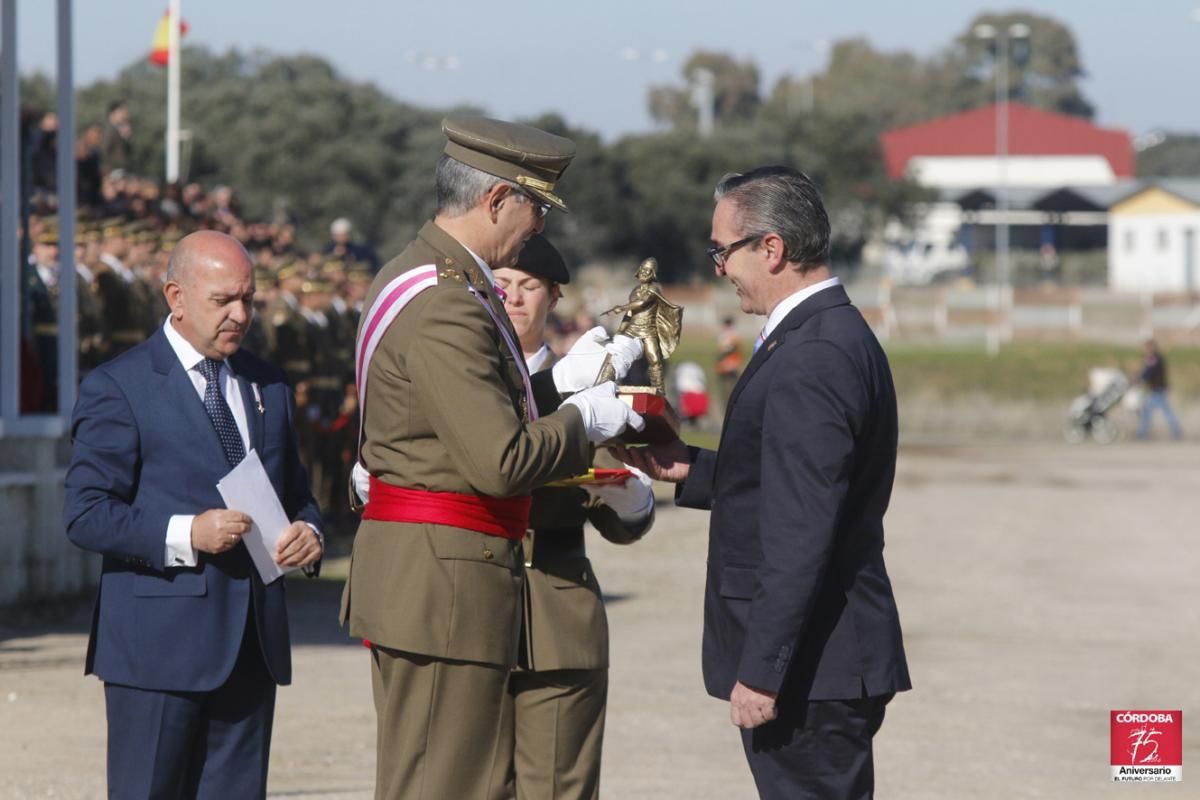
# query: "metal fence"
x,y
968,314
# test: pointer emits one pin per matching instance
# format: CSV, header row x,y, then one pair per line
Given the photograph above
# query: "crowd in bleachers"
x,y
307,303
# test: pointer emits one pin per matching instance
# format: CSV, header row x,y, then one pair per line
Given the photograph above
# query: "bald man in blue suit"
x,y
189,641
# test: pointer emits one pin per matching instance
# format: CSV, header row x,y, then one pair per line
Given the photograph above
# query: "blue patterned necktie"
x,y
219,413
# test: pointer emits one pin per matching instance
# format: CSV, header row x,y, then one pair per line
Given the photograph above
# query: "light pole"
x,y
651,59
702,98
1003,38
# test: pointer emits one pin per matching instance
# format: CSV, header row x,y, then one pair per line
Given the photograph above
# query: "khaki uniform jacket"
x,y
444,411
565,623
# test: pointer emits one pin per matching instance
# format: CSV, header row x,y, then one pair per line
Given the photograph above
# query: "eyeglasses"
x,y
720,254
542,208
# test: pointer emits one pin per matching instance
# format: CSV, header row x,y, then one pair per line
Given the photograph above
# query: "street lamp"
x,y
1003,38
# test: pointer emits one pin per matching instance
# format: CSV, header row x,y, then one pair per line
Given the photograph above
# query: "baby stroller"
x,y
1088,413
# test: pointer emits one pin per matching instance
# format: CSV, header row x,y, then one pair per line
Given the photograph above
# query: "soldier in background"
x,y
292,349
114,283
92,348
325,393
260,335
41,282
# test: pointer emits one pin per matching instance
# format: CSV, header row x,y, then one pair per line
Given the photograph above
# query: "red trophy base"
x,y
662,422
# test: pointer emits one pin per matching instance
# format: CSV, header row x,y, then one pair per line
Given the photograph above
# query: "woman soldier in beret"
x,y
557,695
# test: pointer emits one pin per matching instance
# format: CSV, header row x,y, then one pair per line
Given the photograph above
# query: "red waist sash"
x,y
496,516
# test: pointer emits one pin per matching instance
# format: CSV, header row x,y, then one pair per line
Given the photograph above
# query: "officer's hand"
x,y
362,482
750,707
632,500
219,529
577,370
299,546
604,414
669,461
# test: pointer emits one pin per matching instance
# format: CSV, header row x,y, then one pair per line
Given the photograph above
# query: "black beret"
x,y
539,257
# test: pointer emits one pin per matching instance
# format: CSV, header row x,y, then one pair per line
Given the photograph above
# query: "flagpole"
x,y
173,92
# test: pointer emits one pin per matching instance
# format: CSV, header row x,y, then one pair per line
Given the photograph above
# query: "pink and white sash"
x,y
390,301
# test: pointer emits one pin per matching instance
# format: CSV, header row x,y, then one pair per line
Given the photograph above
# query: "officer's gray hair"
x,y
783,201
459,187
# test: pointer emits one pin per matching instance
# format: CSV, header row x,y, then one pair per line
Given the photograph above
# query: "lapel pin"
x,y
258,403
772,345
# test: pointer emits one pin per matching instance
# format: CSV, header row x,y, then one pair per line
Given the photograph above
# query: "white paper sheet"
x,y
248,489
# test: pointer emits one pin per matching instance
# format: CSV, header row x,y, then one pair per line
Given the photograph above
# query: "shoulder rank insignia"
x,y
451,275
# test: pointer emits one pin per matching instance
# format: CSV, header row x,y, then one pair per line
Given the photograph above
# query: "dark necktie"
x,y
219,413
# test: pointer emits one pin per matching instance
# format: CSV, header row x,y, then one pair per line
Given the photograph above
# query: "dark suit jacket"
x,y
144,449
798,600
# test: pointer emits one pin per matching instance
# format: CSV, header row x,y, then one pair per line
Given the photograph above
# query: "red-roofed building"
x,y
1052,190
1044,149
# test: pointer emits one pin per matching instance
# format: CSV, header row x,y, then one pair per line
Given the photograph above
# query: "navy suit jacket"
x,y
797,599
144,449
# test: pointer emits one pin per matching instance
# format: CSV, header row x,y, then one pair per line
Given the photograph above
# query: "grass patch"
x,y
1039,372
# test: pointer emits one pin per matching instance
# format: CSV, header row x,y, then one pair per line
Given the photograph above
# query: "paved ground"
x,y
1039,587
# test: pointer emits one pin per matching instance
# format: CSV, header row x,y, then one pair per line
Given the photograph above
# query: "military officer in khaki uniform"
x,y
455,438
558,694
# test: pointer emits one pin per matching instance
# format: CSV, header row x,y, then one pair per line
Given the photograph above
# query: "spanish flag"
x,y
160,52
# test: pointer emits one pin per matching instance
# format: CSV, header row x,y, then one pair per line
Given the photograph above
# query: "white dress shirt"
x,y
538,360
180,552
487,271
787,304
118,266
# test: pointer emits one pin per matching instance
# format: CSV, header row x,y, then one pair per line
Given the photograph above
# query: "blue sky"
x,y
523,57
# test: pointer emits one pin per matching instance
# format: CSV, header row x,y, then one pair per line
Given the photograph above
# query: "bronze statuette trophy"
x,y
657,322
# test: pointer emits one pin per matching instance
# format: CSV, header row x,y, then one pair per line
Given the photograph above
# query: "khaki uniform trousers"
x,y
557,720
442,725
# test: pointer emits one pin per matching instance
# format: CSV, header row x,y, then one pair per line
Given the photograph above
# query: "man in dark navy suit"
x,y
801,632
189,641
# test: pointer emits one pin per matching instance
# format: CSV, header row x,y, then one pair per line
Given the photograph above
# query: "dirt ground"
x,y
1039,587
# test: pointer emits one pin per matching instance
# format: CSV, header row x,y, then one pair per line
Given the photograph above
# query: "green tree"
x,y
1044,68
735,91
287,133
1176,155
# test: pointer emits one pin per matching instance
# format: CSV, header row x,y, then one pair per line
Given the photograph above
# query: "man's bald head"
x,y
210,288
205,249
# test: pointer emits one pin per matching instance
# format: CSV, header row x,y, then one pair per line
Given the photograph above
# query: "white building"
x,y
1154,238
1053,182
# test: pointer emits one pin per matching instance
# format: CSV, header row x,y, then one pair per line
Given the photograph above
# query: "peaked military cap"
x,y
539,257
264,277
316,287
289,269
527,156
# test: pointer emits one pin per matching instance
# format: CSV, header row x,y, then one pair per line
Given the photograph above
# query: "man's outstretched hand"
x,y
662,462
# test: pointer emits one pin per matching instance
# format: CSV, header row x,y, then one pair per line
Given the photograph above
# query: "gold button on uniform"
x,y
488,554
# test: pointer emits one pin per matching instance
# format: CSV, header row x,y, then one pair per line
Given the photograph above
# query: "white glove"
x,y
604,414
632,500
362,482
578,369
